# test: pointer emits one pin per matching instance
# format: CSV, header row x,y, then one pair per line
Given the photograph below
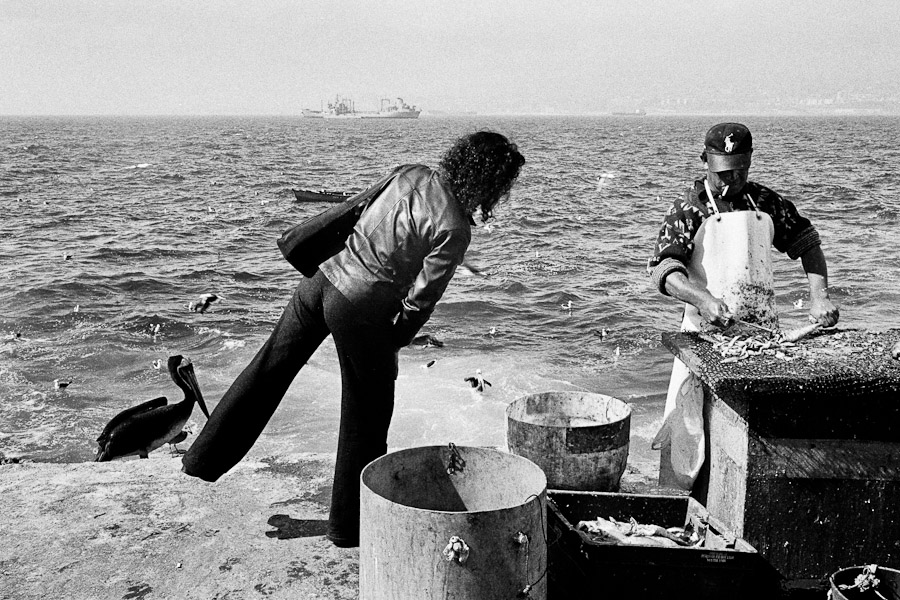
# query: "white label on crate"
x,y
717,557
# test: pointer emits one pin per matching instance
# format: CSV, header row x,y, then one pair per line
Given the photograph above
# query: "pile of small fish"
x,y
737,347
632,533
783,345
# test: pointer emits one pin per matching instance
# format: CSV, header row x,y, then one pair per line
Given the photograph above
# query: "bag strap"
x,y
362,200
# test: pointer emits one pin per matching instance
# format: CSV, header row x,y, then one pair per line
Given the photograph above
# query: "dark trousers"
x,y
368,362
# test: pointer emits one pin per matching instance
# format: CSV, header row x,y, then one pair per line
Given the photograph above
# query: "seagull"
x,y
67,256
601,332
798,303
492,332
157,364
61,385
567,306
202,303
478,381
76,308
154,329
143,428
177,440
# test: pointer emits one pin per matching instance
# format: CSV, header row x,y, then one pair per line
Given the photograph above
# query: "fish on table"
x,y
141,429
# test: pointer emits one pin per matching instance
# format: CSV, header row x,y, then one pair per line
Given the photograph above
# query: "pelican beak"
x,y
190,380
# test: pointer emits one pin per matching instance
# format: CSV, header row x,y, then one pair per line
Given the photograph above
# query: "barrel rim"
x,y
528,499
518,402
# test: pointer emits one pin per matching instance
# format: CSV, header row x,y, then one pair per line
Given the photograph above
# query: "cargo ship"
x,y
345,108
393,110
341,108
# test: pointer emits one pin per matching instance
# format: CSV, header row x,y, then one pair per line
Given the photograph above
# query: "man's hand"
x,y
716,312
711,308
823,311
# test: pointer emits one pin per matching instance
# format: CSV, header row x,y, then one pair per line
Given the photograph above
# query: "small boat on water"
x,y
320,195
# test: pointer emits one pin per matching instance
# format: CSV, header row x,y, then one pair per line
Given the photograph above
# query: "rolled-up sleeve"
x,y
438,268
675,243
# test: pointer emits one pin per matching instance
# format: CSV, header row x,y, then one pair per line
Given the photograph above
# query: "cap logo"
x,y
729,143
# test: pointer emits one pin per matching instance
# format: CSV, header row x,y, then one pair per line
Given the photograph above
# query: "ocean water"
x,y
111,226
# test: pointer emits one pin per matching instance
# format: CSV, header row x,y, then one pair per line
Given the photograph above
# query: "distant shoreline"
x,y
849,113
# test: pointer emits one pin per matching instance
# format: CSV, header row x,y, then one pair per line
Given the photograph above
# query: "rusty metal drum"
x,y
452,523
579,439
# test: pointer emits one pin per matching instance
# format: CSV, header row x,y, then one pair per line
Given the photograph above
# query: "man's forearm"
x,y
681,288
816,272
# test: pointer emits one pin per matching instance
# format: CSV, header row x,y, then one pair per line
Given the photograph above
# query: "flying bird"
x,y
143,428
478,381
202,303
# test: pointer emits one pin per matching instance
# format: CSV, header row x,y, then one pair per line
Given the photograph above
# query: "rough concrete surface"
x,y
136,529
142,529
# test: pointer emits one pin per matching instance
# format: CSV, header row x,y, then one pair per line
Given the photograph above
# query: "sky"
x,y
274,57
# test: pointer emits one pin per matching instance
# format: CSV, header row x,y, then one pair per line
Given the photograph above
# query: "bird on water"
x,y
143,428
202,304
478,381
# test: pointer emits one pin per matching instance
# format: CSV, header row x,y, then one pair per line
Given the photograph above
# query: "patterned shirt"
x,y
794,234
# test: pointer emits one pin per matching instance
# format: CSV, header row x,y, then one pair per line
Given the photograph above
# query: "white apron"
x,y
732,259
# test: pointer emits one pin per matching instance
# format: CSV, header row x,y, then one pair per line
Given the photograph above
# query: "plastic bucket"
x,y
463,523
888,584
579,439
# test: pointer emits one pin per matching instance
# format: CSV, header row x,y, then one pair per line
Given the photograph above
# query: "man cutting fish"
x,y
713,253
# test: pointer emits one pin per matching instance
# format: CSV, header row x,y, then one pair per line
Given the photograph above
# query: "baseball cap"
x,y
727,146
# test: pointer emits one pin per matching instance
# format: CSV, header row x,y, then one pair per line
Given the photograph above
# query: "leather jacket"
x,y
403,251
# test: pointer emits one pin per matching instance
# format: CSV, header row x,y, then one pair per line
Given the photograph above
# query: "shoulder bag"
x,y
320,237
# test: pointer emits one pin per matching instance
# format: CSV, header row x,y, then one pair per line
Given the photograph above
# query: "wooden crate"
x,y
579,568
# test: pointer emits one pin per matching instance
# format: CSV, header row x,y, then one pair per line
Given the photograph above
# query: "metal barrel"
x,y
455,523
579,439
864,582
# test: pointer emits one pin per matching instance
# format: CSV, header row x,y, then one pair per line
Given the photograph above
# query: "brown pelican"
x,y
478,381
143,428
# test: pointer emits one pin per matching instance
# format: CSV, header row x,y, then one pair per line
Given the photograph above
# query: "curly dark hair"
x,y
480,169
